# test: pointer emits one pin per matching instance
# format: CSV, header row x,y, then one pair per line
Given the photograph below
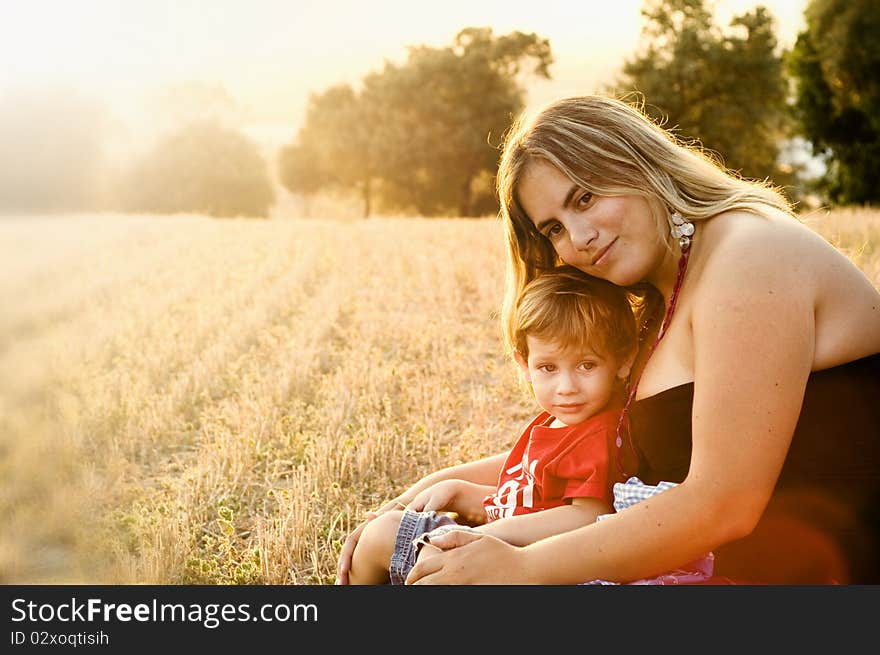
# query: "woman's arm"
x,y
528,528
753,331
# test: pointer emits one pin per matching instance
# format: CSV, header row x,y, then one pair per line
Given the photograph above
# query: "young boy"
x,y
575,343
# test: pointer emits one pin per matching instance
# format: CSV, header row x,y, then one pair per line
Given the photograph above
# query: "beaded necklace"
x,y
623,422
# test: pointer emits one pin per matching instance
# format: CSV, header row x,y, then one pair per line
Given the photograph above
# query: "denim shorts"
x,y
412,526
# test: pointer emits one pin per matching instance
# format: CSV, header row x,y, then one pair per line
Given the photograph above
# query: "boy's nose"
x,y
566,384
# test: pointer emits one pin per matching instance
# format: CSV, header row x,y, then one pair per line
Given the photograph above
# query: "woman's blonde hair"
x,y
572,309
612,148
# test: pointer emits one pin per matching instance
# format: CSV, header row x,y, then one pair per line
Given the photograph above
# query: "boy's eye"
x,y
588,366
547,368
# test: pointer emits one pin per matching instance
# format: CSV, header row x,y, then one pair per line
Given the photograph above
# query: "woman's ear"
x,y
523,364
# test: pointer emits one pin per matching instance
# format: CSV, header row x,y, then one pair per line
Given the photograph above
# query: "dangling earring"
x,y
682,230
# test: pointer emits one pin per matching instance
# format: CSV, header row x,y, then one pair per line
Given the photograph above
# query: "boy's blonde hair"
x,y
612,148
569,307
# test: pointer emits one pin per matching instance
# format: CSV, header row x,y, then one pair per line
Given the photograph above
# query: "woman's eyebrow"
x,y
565,203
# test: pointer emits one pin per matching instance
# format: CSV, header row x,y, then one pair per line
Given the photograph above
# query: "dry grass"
x,y
187,400
855,232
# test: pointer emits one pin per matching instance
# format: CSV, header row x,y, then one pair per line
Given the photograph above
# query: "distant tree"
x,y
836,67
423,133
298,171
335,147
201,168
447,109
725,90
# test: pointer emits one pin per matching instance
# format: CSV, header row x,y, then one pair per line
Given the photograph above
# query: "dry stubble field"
x,y
190,400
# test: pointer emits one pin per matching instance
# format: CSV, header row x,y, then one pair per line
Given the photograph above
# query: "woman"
x,y
756,388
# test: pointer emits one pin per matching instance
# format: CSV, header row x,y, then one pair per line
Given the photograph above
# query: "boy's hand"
x,y
459,496
438,497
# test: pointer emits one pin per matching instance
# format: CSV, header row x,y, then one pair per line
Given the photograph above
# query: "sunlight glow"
x,y
270,54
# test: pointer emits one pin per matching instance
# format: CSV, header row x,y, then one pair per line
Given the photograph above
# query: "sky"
x,y
269,55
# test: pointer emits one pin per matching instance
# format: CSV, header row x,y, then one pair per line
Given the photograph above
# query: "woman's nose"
x,y
582,235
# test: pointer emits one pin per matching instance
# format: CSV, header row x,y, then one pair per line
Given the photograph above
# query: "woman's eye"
x,y
547,368
555,230
588,366
585,199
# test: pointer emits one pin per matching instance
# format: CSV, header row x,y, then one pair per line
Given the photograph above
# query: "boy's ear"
x,y
523,364
626,366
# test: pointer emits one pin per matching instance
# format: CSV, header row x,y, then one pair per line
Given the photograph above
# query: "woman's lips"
x,y
600,256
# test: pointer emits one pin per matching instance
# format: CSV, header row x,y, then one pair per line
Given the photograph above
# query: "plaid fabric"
x,y
627,494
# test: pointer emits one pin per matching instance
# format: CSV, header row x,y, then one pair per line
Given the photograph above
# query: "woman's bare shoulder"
x,y
751,251
739,233
781,265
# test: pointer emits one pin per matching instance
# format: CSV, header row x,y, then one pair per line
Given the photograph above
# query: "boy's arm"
x,y
528,528
483,471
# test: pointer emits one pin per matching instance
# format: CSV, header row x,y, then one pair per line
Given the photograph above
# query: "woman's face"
x,y
611,237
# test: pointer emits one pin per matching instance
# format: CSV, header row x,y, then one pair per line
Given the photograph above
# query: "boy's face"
x,y
570,383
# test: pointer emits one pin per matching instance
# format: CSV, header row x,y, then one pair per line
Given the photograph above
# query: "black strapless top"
x,y
823,521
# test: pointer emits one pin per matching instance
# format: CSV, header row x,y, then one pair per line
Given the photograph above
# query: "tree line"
x,y
422,136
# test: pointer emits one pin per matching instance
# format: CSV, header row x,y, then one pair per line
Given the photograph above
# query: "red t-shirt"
x,y
549,466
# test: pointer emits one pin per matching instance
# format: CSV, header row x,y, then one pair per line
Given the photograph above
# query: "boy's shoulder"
x,y
604,421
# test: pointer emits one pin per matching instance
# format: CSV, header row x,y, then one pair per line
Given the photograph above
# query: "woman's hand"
x,y
472,558
343,566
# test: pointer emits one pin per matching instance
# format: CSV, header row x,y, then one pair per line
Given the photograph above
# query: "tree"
x,y
449,108
204,168
836,67
420,132
335,147
725,90
299,173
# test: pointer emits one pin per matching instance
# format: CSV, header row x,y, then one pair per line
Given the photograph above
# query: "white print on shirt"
x,y
517,492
